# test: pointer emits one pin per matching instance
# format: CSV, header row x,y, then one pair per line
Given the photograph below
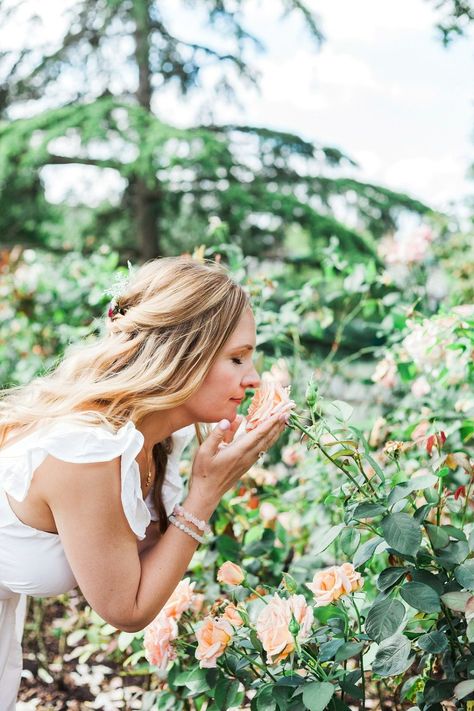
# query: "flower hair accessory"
x,y
116,290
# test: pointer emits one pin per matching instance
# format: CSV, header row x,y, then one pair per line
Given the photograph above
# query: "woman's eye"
x,y
237,361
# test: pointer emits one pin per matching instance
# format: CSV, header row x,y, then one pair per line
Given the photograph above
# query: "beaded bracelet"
x,y
185,529
202,525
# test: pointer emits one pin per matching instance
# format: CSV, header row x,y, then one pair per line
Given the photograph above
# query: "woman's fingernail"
x,y
224,425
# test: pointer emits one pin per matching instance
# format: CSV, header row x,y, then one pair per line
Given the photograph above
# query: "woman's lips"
x,y
237,399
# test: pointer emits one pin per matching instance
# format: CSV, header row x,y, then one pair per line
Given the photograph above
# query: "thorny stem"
x,y
359,625
303,429
468,492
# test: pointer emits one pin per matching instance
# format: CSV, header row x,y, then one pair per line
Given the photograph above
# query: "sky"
x,y
382,88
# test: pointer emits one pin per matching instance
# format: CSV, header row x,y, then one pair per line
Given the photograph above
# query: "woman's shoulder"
x,y
78,436
77,440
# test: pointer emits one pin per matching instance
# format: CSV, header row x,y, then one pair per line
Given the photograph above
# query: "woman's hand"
x,y
217,468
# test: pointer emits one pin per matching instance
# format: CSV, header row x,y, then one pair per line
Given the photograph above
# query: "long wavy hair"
x,y
166,331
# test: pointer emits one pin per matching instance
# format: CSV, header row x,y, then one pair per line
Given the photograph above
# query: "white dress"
x,y
33,562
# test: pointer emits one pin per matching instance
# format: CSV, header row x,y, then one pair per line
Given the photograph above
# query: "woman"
x,y
84,450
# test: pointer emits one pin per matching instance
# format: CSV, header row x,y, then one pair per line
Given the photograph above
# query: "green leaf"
x,y
464,574
368,510
421,597
424,576
193,679
437,690
317,695
348,650
454,554
393,656
433,642
402,533
366,551
227,694
439,538
389,577
328,649
349,540
327,538
384,618
464,688
228,548
264,699
456,600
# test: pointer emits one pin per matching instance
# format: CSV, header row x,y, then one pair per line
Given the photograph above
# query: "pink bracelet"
x,y
202,525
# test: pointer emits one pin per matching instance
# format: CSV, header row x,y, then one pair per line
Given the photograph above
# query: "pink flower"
x,y
279,373
180,600
157,640
213,636
232,615
420,387
291,455
386,372
268,399
230,574
197,603
329,585
268,512
352,575
273,625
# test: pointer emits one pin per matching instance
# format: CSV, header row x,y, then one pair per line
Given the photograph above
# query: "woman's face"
x,y
223,388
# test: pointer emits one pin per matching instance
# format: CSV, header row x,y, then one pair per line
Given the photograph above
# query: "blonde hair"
x,y
170,323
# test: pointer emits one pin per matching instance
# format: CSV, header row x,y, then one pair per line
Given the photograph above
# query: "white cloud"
x,y
367,19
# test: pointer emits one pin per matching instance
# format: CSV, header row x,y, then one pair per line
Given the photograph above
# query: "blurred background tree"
x,y
92,99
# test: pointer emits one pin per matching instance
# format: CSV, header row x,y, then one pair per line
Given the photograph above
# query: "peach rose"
x,y
157,640
269,398
329,585
197,603
290,455
353,576
230,574
273,624
279,372
303,615
268,512
213,636
180,600
232,615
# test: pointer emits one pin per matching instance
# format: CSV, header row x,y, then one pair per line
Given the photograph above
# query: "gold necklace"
x,y
148,478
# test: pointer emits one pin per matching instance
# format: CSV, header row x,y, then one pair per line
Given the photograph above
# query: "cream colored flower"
x,y
180,600
157,640
273,624
268,399
232,615
291,455
268,512
352,575
230,574
213,636
329,585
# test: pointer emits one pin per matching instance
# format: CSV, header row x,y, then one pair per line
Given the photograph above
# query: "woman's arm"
x,y
126,590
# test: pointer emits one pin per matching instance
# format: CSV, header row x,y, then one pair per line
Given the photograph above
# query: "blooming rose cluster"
x,y
160,633
435,347
282,623
406,248
330,584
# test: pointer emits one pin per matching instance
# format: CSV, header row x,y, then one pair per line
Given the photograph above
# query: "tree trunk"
x,y
144,188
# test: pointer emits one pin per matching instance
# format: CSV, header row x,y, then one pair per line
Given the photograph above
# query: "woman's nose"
x,y
252,379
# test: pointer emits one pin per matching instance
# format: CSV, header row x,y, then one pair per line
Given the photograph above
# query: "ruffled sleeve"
x,y
79,443
172,491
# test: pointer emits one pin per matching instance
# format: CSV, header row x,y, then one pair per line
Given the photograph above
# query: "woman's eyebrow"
x,y
246,347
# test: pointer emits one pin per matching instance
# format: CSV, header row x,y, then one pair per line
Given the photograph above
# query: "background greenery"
x,y
335,301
